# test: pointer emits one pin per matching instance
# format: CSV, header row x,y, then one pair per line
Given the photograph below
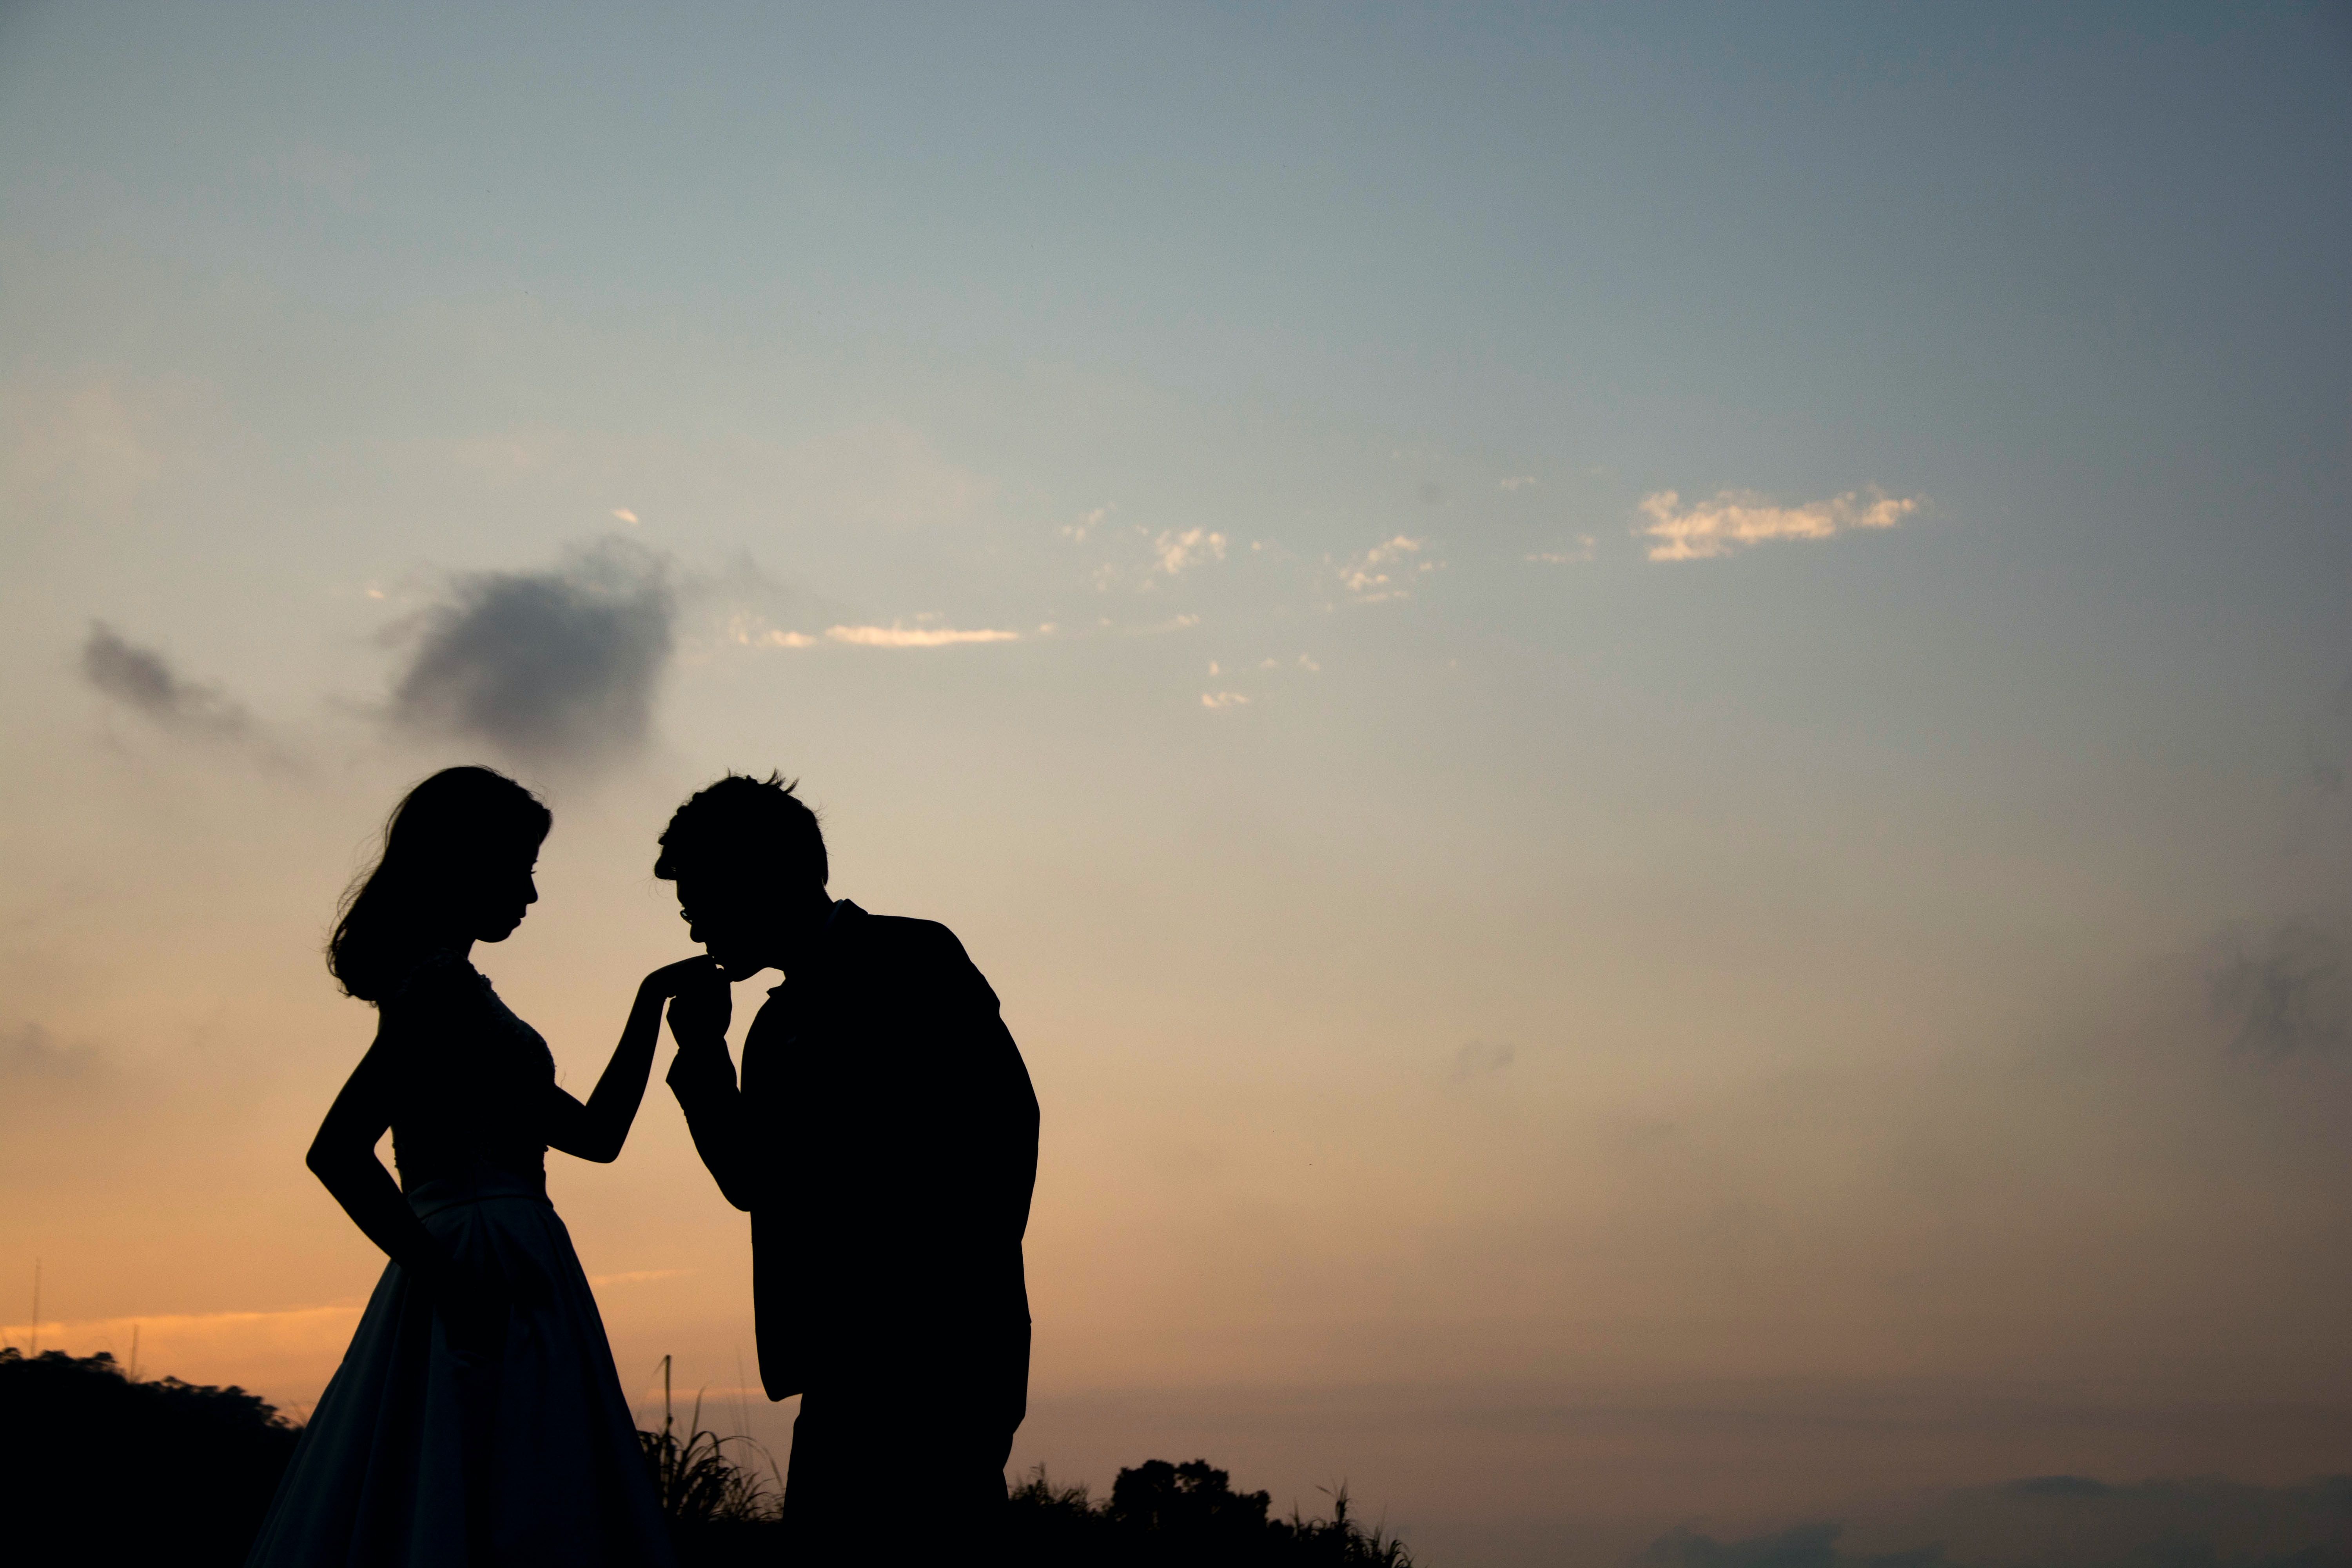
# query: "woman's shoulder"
x,y
437,982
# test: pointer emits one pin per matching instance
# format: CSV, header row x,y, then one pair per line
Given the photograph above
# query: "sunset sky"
x,y
1646,711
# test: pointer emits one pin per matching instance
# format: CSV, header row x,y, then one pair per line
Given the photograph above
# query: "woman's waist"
x,y
434,1184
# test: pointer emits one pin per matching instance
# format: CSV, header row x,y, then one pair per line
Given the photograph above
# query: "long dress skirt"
x,y
520,1454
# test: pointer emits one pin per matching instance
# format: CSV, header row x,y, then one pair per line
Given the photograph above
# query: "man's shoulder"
x,y
922,954
904,936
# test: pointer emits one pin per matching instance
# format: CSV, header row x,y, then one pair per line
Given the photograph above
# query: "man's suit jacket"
x,y
885,1141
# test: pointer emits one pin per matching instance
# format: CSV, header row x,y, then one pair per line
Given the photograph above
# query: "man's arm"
x,y
703,1077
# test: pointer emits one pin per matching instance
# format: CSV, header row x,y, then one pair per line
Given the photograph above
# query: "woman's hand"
x,y
686,975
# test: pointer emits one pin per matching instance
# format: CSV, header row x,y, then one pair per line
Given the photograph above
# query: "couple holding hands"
x,y
883,1138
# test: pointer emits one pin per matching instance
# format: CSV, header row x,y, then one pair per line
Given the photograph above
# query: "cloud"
x,y
914,637
1175,551
1224,700
555,667
2282,991
255,1349
1802,1546
637,1276
1515,483
626,515
1480,1058
1076,532
742,631
143,679
1584,549
2054,1521
1735,520
2331,745
46,1090
29,1053
1379,573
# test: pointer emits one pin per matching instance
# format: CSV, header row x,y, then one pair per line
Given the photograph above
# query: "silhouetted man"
x,y
884,1140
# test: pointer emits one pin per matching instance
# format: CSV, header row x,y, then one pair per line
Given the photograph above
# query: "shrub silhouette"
x,y
112,1471
1163,1515
99,1471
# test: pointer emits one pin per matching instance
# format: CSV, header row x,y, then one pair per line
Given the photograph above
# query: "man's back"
x,y
894,1130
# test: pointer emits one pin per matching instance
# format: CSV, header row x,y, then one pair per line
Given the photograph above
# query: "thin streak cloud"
x,y
913,636
1735,520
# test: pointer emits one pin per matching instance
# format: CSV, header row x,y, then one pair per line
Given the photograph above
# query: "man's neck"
x,y
802,931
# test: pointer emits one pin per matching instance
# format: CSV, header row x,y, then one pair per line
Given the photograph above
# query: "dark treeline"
x,y
106,1471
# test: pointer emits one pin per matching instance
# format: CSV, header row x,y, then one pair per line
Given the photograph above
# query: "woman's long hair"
x,y
439,837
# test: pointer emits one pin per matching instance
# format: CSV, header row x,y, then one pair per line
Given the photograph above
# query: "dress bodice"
x,y
471,1080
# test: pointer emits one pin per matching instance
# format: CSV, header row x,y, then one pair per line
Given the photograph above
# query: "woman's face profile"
x,y
500,897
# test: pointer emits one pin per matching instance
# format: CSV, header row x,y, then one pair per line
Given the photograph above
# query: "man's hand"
x,y
700,1005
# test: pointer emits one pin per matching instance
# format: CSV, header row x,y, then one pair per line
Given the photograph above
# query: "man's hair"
x,y
742,824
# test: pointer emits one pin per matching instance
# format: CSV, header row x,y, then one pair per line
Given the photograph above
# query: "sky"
x,y
1645,710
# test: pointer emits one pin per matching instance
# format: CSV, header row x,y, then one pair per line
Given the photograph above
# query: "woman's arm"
x,y
597,1129
342,1156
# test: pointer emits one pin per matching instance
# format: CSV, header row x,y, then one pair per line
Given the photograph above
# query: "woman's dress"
x,y
514,1449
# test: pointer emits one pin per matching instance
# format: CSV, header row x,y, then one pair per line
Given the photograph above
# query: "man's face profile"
x,y
724,918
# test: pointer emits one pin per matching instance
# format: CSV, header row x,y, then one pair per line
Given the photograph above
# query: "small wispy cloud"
x,y
1076,532
1175,551
1582,550
1515,483
1183,623
2283,990
30,1051
626,515
1224,700
1735,520
1381,572
143,680
1479,1058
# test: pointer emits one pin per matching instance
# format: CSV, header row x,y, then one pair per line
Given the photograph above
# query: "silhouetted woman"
x,y
477,1418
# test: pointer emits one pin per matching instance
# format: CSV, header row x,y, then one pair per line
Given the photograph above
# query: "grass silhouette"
x,y
99,1469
